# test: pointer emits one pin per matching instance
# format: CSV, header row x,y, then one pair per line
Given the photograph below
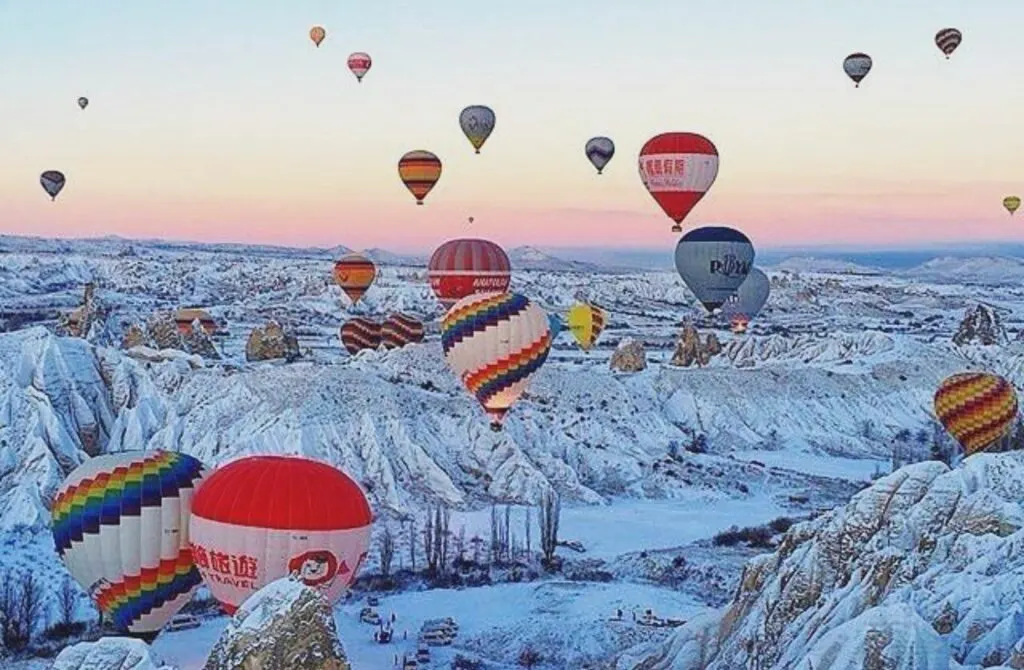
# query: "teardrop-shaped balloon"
x,y
678,169
599,151
749,299
477,123
359,63
471,219
83,102
121,526
586,323
856,66
556,325
399,330
1011,203
419,171
360,333
354,273
948,39
495,343
465,266
317,34
976,408
53,182
714,261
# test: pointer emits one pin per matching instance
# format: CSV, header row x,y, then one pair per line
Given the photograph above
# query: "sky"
x,y
220,121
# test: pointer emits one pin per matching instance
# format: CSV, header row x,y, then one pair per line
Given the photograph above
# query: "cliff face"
x,y
921,571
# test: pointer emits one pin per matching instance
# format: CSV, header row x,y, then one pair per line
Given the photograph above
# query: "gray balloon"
x,y
477,123
599,151
750,297
714,261
52,182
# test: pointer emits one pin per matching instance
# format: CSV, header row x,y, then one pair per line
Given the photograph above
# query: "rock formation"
x,y
80,321
981,325
270,342
108,653
920,571
134,336
629,356
165,333
283,625
690,350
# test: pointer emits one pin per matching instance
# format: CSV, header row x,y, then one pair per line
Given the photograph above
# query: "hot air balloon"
x,y
856,66
53,182
470,219
477,123
83,102
359,333
261,518
599,151
976,408
494,343
1011,203
360,64
714,261
948,39
317,34
399,330
586,323
678,169
463,267
748,300
354,273
419,171
121,526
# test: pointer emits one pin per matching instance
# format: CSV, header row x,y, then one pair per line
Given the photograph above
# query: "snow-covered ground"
x,y
795,415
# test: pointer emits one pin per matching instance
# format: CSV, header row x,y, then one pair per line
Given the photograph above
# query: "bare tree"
x,y
529,657
477,542
495,536
527,519
412,543
67,601
21,608
387,551
428,543
31,606
550,511
507,537
444,535
460,544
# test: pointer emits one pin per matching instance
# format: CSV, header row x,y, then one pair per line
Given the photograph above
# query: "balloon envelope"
x,y
1011,203
555,324
399,330
599,151
477,122
354,273
714,261
678,169
261,518
359,63
586,323
83,102
317,34
749,298
856,66
419,171
121,526
53,182
466,266
976,408
948,39
360,333
495,343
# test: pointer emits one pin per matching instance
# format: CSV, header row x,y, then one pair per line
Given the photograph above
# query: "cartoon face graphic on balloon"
x,y
314,568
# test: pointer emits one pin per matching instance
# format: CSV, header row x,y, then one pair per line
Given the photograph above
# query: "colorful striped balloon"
x,y
399,330
494,343
359,333
976,408
354,273
419,171
360,63
120,524
586,323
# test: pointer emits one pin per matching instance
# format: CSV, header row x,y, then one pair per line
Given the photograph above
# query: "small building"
x,y
184,318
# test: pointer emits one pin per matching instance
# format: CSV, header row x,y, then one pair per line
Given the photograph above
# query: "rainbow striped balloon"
x,y
976,408
494,343
120,524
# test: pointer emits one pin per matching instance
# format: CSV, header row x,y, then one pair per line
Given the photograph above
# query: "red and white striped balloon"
x,y
360,333
360,63
399,330
463,267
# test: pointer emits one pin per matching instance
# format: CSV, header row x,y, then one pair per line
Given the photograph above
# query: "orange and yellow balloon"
x,y
317,34
976,408
1011,203
354,273
419,171
586,323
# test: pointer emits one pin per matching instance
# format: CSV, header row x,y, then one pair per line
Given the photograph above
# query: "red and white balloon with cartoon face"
x,y
261,518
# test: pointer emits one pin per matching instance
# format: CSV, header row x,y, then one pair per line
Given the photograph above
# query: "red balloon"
x,y
359,333
399,330
466,266
261,518
678,169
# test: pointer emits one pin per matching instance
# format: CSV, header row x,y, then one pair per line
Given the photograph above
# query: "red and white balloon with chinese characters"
x,y
261,518
678,169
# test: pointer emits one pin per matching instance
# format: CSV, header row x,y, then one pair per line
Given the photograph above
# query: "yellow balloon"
x,y
1011,203
586,323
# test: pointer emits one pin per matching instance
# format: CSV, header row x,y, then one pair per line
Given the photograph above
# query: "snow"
x,y
852,469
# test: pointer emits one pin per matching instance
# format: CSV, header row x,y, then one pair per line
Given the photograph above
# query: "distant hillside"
x,y
997,270
825,266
